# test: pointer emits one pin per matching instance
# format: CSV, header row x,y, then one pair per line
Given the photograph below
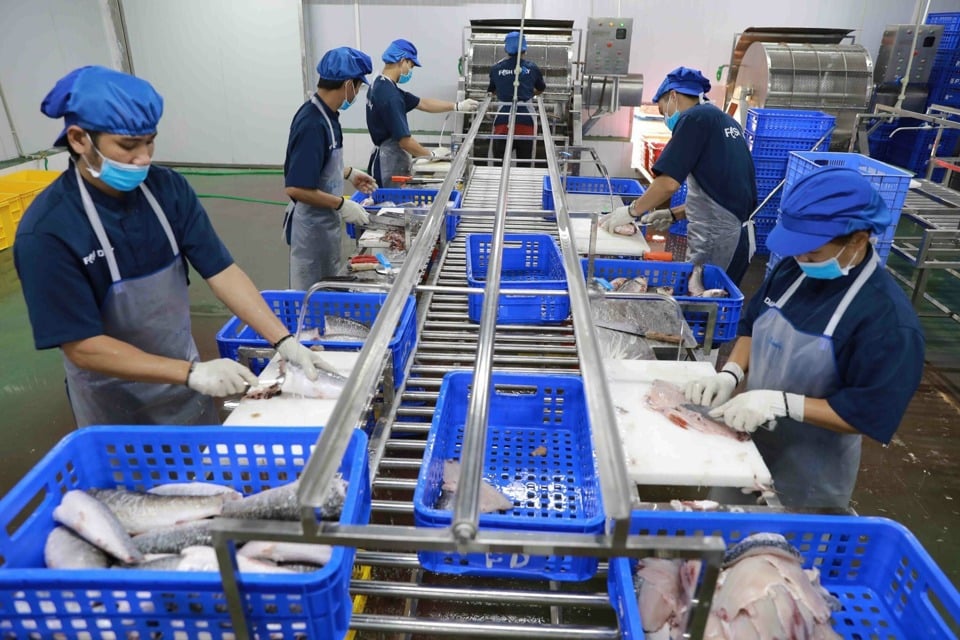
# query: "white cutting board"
x,y
659,452
291,412
608,244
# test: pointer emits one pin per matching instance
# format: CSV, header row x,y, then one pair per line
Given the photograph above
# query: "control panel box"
x,y
896,49
608,46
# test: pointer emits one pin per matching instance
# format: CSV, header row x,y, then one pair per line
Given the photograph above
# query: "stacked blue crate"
x,y
771,135
945,77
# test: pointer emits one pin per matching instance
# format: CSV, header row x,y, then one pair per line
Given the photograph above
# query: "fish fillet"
x,y
490,498
668,399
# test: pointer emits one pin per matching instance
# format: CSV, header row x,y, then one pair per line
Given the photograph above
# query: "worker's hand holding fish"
x,y
218,378
362,181
711,391
659,220
617,218
761,407
300,356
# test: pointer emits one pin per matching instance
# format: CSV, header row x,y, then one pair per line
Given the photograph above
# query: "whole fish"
x,y
203,558
195,489
668,399
141,512
66,550
93,521
695,283
340,329
293,552
281,503
175,538
490,498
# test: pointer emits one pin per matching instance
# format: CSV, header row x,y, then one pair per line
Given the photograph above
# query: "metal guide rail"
x,y
403,599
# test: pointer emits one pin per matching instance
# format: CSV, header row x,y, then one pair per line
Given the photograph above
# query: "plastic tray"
x,y
362,307
890,182
780,148
530,261
627,189
888,585
788,123
676,275
10,214
27,184
420,197
111,603
557,492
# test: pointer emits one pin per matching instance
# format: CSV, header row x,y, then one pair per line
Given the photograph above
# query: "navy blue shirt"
x,y
501,83
309,145
878,344
387,108
709,144
64,274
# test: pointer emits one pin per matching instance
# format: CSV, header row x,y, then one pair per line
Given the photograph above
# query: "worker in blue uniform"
x,y
531,84
387,108
102,256
708,150
830,346
313,170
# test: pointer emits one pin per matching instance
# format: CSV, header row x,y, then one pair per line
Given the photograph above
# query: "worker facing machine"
x,y
707,150
313,171
102,255
531,83
387,108
830,347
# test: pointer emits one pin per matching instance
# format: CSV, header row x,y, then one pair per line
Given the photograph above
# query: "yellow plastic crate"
x,y
10,214
27,184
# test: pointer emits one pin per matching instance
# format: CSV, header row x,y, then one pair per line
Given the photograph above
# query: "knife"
x,y
633,330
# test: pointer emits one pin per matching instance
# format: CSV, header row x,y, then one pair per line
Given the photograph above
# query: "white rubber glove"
x,y
466,106
762,407
300,356
714,390
617,218
659,220
220,378
362,181
353,213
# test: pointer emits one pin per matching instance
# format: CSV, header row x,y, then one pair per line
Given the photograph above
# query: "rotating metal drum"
x,y
834,78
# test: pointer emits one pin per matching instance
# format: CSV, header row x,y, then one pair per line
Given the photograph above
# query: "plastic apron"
x,y
153,314
811,466
390,160
313,232
713,232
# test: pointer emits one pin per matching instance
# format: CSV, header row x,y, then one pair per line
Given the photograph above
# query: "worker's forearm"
x,y
818,411
660,190
235,289
432,105
314,197
118,359
414,148
741,353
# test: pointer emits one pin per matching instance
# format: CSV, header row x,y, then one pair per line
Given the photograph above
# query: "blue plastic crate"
x,y
530,261
362,307
765,186
419,198
557,492
911,149
677,275
884,579
951,29
890,182
679,196
627,189
770,168
780,148
788,123
37,602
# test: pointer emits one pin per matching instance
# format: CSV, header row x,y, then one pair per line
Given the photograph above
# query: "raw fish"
x,y
668,399
336,328
626,230
195,489
93,521
281,503
66,550
141,512
294,552
490,498
174,539
665,589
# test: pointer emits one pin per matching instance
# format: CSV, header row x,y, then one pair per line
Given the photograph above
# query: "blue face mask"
x,y
405,77
120,176
671,120
826,270
346,103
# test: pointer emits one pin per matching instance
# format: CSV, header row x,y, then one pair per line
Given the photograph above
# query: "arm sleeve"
x,y
199,242
306,157
683,151
61,302
410,101
492,87
882,374
539,84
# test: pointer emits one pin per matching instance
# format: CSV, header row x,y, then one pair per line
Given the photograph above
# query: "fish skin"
x,y
668,399
336,328
167,562
93,521
491,500
281,503
695,283
287,552
634,285
175,538
195,489
142,512
66,550
326,386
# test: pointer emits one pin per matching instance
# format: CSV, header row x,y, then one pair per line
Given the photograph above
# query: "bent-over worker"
x,y
102,256
830,347
501,83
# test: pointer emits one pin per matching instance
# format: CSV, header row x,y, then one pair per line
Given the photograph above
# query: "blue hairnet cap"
x,y
823,205
101,99
344,63
401,50
513,43
683,80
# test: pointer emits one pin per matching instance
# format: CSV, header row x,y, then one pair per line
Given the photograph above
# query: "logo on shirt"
x,y
732,132
91,257
509,72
